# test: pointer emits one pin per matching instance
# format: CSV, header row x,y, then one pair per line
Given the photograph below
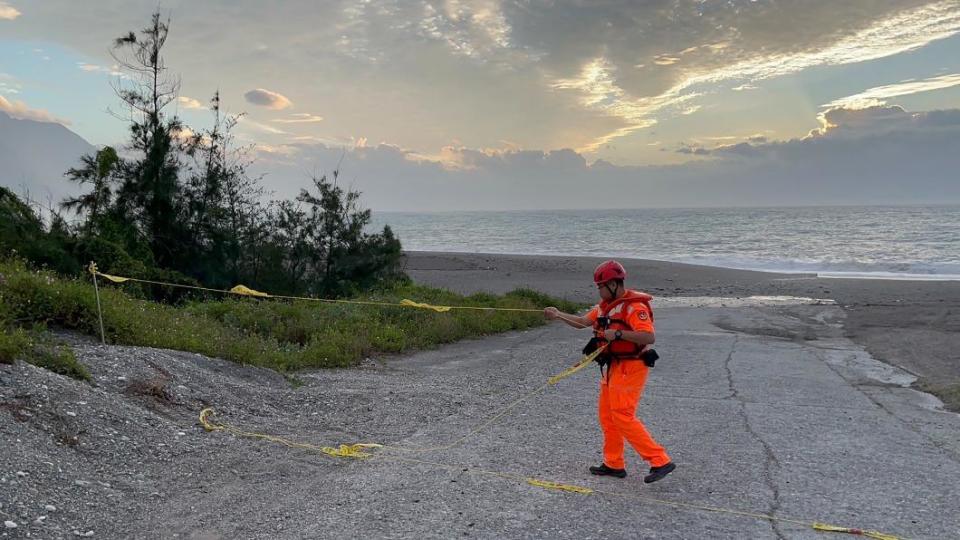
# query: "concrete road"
x,y
766,411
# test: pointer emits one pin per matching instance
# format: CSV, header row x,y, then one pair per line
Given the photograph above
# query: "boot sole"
x,y
615,475
659,475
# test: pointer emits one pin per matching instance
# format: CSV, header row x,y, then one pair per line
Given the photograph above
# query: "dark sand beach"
x,y
914,325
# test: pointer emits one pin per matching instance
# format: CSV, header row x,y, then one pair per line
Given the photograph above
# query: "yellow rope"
x,y
355,451
546,484
242,290
345,450
860,532
576,367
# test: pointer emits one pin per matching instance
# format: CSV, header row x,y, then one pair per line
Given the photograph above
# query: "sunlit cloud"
x,y
665,60
8,12
94,68
901,33
267,98
879,94
477,29
300,118
844,122
257,126
22,111
190,103
599,89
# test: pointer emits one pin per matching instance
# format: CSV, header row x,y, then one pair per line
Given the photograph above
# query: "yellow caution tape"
x,y
411,303
246,291
576,367
116,279
356,451
546,484
344,451
849,530
350,450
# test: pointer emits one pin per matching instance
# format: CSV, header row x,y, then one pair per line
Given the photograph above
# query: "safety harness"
x,y
613,317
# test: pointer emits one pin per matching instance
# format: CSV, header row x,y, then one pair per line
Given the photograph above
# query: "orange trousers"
x,y
620,393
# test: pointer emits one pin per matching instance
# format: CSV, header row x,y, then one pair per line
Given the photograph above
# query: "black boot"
x,y
603,470
656,473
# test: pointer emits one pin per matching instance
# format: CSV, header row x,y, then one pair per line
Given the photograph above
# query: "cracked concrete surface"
x,y
798,424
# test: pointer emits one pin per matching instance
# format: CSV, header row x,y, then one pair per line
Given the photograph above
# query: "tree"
x,y
96,171
23,232
149,192
222,201
344,256
291,233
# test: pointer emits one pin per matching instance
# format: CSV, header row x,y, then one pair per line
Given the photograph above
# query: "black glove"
x,y
594,344
649,357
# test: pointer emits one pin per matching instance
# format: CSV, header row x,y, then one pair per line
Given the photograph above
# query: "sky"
x,y
468,105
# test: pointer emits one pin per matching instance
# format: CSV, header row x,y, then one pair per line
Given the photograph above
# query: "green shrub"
x,y
279,334
13,345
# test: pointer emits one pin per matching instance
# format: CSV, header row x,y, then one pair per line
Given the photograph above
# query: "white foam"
x,y
746,301
889,275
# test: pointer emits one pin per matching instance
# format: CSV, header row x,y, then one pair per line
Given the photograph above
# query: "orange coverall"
x,y
620,393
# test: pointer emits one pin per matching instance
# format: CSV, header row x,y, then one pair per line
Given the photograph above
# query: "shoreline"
x,y
818,274
911,324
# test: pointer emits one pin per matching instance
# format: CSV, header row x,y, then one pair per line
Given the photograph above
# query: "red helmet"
x,y
607,271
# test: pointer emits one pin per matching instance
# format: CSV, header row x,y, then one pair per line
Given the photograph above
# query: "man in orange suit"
x,y
623,324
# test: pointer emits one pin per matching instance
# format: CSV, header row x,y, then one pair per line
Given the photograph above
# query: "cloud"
x,y
268,99
246,121
578,74
8,12
857,122
190,103
477,29
598,90
20,110
9,84
692,149
94,68
611,83
883,155
300,118
891,127
878,95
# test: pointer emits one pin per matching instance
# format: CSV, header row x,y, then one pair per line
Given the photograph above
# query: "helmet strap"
x,y
613,292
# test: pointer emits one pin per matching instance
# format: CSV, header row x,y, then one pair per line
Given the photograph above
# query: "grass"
x,y
37,347
948,393
282,335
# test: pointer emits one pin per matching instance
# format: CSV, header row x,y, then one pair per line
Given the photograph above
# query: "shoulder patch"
x,y
642,315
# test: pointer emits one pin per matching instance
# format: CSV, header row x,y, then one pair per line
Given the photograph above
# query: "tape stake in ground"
x,y
116,279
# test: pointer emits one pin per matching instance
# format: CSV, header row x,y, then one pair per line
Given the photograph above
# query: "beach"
x,y
914,325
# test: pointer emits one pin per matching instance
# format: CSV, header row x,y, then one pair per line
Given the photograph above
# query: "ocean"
x,y
895,242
